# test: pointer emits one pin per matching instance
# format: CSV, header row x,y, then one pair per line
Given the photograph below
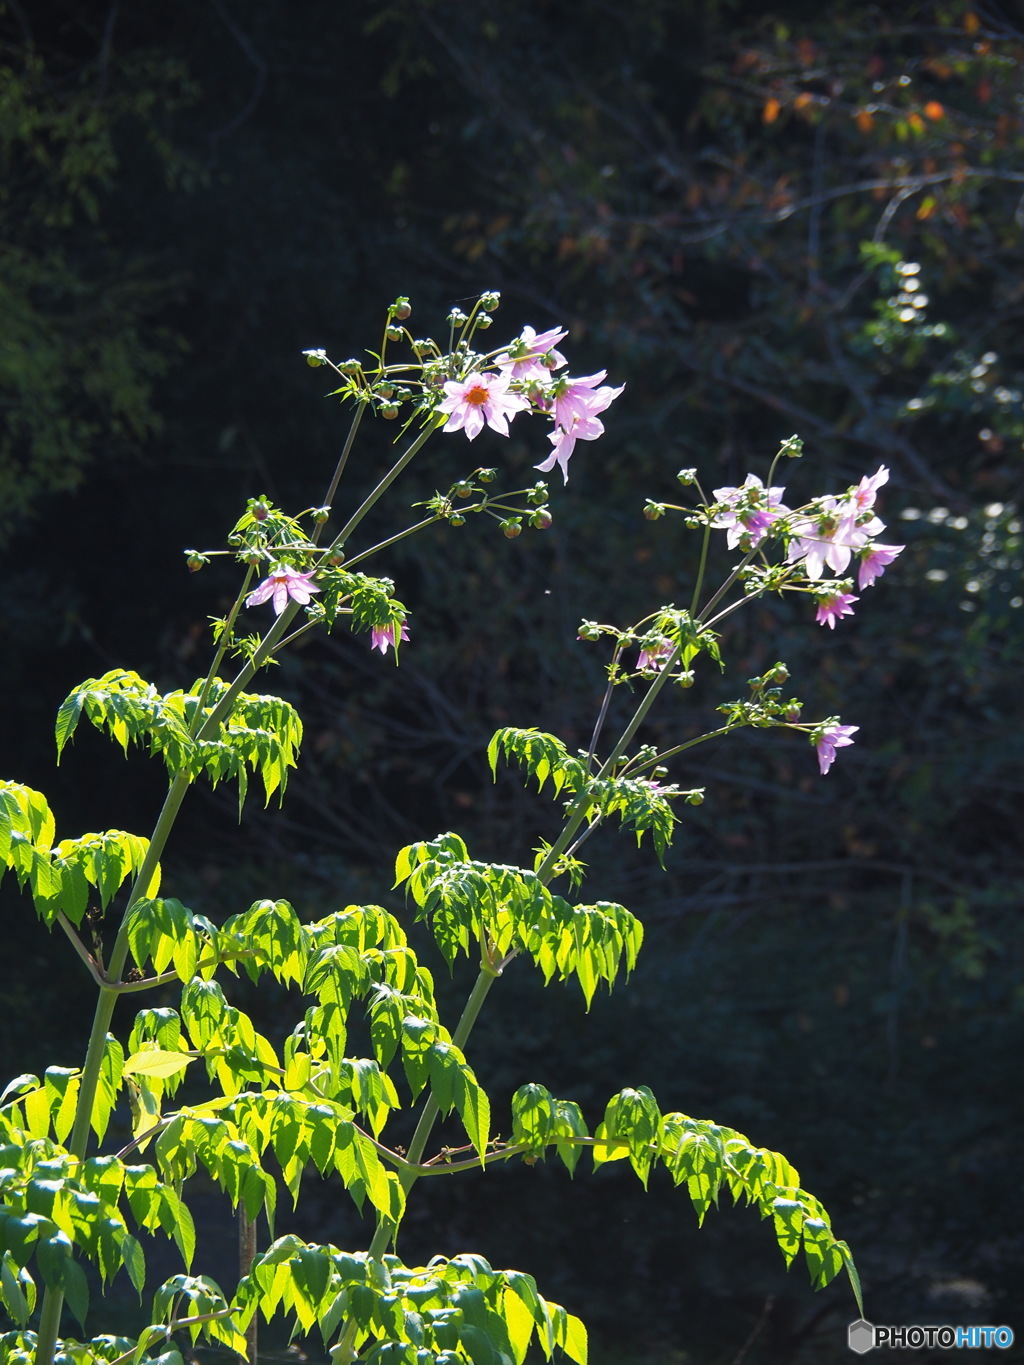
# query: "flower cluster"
x,y
524,378
831,532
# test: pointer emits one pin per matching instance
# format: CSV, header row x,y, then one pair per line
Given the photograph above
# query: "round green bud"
x,y
394,333
350,366
463,489
401,308
486,475
483,322
512,527
389,411
336,557
315,358
490,300
260,511
195,560
456,520
687,476
542,519
321,514
653,511
695,798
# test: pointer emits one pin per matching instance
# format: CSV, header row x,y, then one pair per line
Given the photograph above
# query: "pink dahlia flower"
x,y
524,358
874,559
478,399
834,606
655,657
281,583
381,637
830,739
864,494
751,509
830,537
575,404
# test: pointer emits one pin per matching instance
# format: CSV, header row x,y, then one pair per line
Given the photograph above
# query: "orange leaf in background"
x,y
864,120
971,22
772,109
803,100
806,51
934,110
916,122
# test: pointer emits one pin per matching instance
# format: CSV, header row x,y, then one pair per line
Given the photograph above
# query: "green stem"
x,y
392,540
53,1299
340,468
385,483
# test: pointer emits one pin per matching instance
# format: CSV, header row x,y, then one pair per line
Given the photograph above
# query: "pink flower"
x,y
480,398
873,561
864,494
524,358
833,606
281,583
751,509
383,636
830,537
653,658
575,404
828,740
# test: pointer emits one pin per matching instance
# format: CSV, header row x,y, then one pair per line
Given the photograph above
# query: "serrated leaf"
x,y
157,1062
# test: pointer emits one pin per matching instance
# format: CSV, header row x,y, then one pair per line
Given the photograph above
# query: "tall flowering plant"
x,y
98,1157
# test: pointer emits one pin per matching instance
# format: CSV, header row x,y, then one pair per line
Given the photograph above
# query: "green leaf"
x,y
156,1062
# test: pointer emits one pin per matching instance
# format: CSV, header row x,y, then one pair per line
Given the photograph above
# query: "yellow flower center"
x,y
477,395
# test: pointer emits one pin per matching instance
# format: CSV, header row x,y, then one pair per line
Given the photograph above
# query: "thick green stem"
x,y
381,489
53,1299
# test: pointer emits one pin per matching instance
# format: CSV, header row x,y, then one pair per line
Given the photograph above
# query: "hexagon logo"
x,y
860,1336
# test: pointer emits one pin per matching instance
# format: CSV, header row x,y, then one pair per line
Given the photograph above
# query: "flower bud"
x,y
389,411
315,358
685,679
490,300
422,346
779,673
195,560
384,390
394,333
486,475
253,557
483,322
463,489
687,476
512,527
696,797
792,447
260,510
589,630
336,557
538,494
350,366
456,520
321,514
541,519
401,308
654,511
456,318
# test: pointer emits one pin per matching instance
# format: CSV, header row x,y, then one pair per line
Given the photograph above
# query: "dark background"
x,y
192,194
